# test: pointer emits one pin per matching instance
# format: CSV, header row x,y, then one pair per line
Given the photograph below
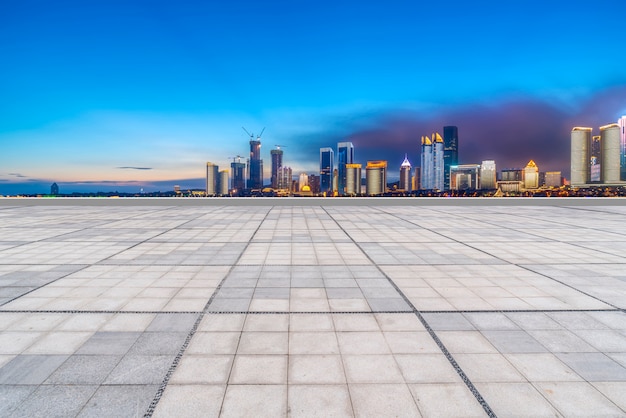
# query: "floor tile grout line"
x,y
522,266
457,368
157,397
407,312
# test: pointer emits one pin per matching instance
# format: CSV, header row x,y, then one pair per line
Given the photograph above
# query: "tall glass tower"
x,y
450,152
345,155
277,163
426,174
238,170
256,165
327,157
622,126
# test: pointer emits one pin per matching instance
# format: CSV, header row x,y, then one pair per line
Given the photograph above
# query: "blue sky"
x,y
87,87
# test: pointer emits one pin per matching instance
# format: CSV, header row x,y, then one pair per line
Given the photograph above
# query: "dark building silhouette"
x,y
238,171
450,152
314,183
327,157
277,163
54,189
255,165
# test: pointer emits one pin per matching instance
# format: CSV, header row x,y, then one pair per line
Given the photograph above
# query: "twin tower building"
x,y
599,159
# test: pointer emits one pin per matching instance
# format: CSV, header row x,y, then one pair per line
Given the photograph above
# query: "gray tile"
x,y
594,367
84,370
55,401
123,401
13,395
30,369
140,370
448,322
514,342
158,343
109,343
172,323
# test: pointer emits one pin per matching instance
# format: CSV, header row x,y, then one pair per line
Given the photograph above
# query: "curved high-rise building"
x,y
610,143
405,175
212,177
376,178
579,163
353,179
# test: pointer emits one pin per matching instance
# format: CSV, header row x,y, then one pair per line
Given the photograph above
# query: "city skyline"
x,y
104,96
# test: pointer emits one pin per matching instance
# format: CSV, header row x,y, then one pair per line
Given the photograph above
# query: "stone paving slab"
x,y
312,310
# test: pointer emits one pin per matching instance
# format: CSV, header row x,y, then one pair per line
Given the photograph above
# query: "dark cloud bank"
x,y
511,132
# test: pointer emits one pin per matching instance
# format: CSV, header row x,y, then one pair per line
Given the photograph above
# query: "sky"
x,y
129,95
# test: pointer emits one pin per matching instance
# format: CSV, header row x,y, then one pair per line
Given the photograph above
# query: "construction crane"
x,y
252,135
280,146
238,158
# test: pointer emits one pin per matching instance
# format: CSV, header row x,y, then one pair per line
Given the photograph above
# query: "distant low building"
x,y
54,189
465,177
553,179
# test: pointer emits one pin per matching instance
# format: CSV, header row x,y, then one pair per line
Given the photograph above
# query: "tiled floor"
x,y
312,311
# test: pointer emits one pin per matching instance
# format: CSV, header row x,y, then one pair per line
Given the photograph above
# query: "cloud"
x,y
511,131
17,175
135,168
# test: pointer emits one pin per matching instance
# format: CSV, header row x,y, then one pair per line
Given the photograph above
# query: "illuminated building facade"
x,y
531,175
353,179
405,175
553,179
465,177
345,155
610,143
277,162
212,175
376,178
427,180
488,175
327,157
255,167
622,127
303,180
579,156
595,160
450,152
432,168
438,165
314,183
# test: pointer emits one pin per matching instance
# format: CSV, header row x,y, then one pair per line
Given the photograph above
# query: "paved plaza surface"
x,y
307,309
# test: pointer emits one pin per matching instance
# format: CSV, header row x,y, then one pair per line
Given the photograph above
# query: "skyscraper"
x,y
594,160
622,125
345,155
450,152
327,157
277,163
610,143
222,184
438,164
426,169
376,178
256,165
353,179
488,175
212,174
405,175
238,173
303,180
579,162
531,175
